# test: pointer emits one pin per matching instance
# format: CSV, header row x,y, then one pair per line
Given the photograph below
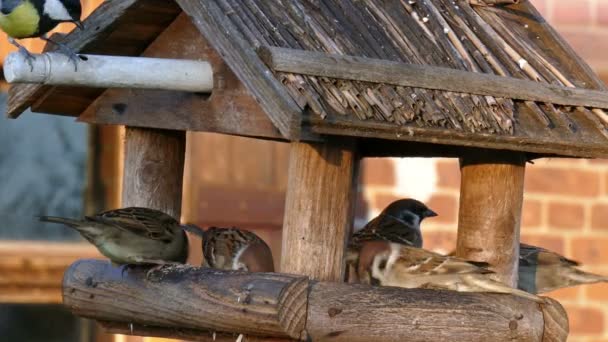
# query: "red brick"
x,y
568,293
590,45
381,201
606,184
599,216
446,206
590,250
531,215
562,182
378,171
449,174
571,13
554,243
440,241
566,215
598,162
602,12
585,320
597,292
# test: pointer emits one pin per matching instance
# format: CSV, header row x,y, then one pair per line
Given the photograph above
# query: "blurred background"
x,y
52,165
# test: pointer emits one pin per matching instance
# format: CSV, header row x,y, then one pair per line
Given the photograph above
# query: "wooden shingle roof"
x,y
511,41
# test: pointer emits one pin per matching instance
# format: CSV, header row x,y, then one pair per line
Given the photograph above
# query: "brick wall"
x,y
566,201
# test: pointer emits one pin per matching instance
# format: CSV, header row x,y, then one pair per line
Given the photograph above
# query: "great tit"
x,y
35,18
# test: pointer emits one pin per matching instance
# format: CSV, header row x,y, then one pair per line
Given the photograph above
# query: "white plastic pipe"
x,y
111,72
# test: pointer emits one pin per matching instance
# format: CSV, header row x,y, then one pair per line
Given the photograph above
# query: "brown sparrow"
x,y
132,235
236,249
541,270
391,264
399,222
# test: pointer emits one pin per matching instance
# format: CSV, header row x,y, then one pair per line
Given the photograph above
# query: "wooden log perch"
x,y
185,301
111,72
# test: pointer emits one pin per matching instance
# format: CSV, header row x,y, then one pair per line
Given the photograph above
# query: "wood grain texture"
x,y
557,326
212,22
192,302
319,208
154,169
230,109
491,198
117,27
426,76
185,297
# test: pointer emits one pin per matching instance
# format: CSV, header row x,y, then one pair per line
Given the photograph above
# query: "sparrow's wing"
x,y
418,261
537,256
149,223
387,228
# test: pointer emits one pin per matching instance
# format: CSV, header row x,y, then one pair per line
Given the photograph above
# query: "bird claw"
x,y
28,57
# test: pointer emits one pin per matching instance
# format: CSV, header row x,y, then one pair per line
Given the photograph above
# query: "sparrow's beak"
x,y
79,24
429,213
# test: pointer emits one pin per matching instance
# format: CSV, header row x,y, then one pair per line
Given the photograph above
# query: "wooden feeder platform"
x,y
494,85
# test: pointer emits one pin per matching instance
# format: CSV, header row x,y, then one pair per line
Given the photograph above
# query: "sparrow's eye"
x,y
382,265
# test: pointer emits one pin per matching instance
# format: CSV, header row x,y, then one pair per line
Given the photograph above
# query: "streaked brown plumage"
x,y
399,222
132,235
541,270
236,249
410,267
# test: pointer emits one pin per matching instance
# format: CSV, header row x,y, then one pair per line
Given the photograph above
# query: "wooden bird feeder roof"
x,y
431,72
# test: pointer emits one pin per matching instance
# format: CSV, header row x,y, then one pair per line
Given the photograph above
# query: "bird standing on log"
x,y
540,270
399,222
234,249
132,235
21,19
390,264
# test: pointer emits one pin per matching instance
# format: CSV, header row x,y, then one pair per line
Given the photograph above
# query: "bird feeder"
x,y
489,82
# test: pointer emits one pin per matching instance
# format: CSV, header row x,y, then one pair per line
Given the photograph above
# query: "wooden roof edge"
x,y
387,131
212,22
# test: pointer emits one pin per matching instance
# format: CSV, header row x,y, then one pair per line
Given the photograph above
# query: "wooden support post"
x,y
154,169
319,208
491,197
190,302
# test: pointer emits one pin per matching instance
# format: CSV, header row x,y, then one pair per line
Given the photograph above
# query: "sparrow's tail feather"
x,y
578,277
62,220
490,285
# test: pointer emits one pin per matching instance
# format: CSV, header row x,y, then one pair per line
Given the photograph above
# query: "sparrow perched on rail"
x,y
399,222
132,235
391,264
21,19
541,270
234,249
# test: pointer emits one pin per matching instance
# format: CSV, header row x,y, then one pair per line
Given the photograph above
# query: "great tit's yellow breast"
x,y
22,22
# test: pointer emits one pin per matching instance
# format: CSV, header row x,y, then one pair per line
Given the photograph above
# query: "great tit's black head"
x,y
74,9
403,209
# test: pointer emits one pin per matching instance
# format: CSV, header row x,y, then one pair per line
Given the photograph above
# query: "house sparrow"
x,y
235,249
399,222
541,270
391,264
132,235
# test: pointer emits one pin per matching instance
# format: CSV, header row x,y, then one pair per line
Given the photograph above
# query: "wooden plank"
x,y
213,23
588,144
491,198
230,109
117,27
319,208
199,301
154,169
426,76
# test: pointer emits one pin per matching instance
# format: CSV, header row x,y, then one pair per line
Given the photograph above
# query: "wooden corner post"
x,y
319,208
154,169
491,198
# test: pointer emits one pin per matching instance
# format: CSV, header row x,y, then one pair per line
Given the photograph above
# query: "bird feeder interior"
x,y
495,86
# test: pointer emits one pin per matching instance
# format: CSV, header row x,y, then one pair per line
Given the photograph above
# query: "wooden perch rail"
x,y
111,72
184,298
426,76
